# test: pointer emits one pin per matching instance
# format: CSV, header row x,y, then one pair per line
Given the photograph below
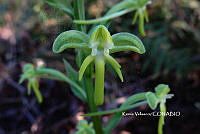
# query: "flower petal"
x,y
84,65
116,66
112,61
127,41
70,39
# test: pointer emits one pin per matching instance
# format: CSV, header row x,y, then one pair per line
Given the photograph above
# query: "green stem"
x,y
79,12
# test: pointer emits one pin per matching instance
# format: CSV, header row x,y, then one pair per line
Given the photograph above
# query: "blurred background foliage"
x,y
28,29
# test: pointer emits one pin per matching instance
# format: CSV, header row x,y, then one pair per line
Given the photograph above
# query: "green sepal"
x,y
73,75
162,90
100,39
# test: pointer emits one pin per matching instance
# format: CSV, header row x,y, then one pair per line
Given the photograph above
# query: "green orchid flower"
x,y
122,8
141,15
160,96
84,127
99,45
33,83
33,74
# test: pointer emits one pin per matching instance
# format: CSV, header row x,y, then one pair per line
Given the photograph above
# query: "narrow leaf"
x,y
117,110
60,76
73,75
116,118
125,4
105,18
71,72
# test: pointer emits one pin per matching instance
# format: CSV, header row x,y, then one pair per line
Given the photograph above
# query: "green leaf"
x,y
116,118
122,5
117,110
71,72
60,76
64,5
105,18
70,39
73,75
127,41
152,100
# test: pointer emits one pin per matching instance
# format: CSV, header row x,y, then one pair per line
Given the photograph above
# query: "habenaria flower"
x,y
100,44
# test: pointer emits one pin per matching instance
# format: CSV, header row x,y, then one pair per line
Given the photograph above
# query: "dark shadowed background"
x,y
27,31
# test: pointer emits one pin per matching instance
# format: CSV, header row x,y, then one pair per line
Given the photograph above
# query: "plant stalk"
x,y
79,12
